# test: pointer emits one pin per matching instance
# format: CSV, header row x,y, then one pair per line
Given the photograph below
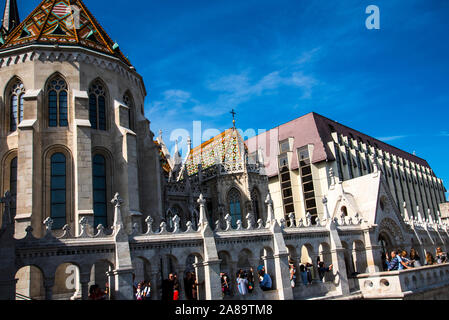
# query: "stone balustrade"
x,y
428,282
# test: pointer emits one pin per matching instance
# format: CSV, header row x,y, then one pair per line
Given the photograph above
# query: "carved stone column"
x,y
48,285
84,280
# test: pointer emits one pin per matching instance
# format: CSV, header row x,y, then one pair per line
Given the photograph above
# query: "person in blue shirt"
x,y
265,279
395,263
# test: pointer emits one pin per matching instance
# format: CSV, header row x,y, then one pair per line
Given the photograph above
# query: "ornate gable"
x,y
63,22
227,147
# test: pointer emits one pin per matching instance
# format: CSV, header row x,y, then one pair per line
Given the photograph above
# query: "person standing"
x,y
188,286
322,270
393,263
250,280
242,284
429,259
292,274
441,257
414,258
168,288
303,274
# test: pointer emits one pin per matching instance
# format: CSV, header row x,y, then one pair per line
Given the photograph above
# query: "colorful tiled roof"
x,y
164,162
58,22
226,147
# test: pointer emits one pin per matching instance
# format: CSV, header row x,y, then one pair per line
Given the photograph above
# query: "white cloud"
x,y
392,138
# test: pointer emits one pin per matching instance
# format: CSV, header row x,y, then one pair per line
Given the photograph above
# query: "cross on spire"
x,y
233,117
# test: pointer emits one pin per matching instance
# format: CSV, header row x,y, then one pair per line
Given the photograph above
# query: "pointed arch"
x,y
57,98
256,204
234,200
98,104
128,100
102,182
14,102
58,192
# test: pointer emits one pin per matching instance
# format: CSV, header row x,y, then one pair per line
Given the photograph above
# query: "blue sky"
x,y
275,60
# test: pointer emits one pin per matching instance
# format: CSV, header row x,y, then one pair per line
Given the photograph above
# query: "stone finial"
x,y
163,227
420,219
117,201
357,219
239,225
308,219
100,231
332,176
228,220
48,225
318,222
440,222
176,222
259,224
217,225
7,199
406,217
429,214
135,229
270,218
291,219
283,223
342,219
327,216
149,221
83,227
66,232
202,202
189,226
250,220
29,232
300,223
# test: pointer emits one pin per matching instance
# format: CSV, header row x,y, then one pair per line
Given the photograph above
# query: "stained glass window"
x,y
13,186
58,185
99,190
97,106
234,207
16,100
57,103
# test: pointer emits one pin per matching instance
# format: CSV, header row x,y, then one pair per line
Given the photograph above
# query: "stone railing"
x,y
433,281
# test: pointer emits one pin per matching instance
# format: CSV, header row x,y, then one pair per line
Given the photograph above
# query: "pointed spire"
x,y
10,16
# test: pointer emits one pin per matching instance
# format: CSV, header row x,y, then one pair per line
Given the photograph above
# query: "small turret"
x,y
11,17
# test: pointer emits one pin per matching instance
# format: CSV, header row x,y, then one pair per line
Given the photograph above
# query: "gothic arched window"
x,y
16,104
128,101
234,206
58,185
97,106
99,191
13,186
57,102
255,203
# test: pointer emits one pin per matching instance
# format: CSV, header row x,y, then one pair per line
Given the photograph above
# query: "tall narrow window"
x,y
58,186
99,189
255,203
97,106
234,207
129,103
16,101
13,186
57,103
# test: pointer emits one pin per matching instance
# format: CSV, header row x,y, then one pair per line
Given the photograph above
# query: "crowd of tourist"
x,y
245,280
400,260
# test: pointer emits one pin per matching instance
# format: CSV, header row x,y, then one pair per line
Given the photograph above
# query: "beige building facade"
x,y
300,154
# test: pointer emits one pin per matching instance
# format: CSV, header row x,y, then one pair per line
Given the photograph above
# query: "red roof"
x,y
313,128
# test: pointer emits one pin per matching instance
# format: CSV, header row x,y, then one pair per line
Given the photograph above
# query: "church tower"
x,y
10,16
73,130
